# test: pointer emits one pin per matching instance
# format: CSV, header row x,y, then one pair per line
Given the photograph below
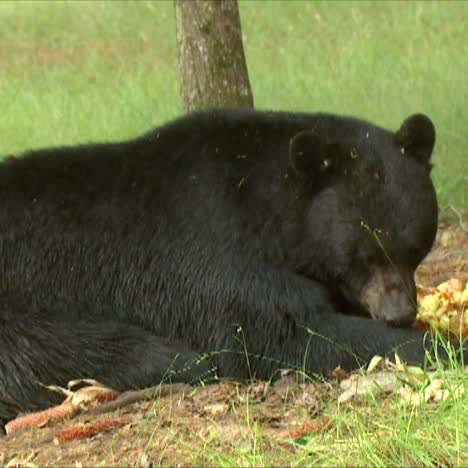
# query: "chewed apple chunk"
x,y
444,308
429,305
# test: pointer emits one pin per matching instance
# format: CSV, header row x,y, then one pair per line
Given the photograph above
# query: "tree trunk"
x,y
213,72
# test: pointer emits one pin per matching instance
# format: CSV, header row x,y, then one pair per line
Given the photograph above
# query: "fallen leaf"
x,y
357,385
317,425
216,409
375,362
339,373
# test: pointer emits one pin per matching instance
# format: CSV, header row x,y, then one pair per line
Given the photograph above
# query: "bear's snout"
x,y
397,308
391,296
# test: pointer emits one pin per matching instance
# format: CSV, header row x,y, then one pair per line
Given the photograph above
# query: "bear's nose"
x,y
398,309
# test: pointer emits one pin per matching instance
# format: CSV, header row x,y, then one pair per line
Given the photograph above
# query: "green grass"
x,y
79,71
388,433
374,430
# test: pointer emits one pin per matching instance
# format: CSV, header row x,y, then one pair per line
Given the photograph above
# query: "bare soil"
x,y
187,426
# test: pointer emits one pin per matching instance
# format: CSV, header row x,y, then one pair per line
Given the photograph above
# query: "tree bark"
x,y
213,71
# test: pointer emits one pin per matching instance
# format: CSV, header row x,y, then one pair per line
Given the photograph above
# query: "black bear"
x,y
267,240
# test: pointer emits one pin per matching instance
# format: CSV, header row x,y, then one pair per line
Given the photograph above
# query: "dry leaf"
x,y
339,373
433,393
381,381
216,409
375,362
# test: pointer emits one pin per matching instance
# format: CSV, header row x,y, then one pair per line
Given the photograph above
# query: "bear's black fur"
x,y
267,239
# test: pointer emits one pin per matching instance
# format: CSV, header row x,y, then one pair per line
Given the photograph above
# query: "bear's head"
x,y
370,211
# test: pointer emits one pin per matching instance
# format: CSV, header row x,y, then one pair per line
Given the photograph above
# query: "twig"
x,y
134,396
460,218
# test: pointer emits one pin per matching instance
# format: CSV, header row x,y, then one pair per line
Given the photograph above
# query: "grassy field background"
x,y
79,71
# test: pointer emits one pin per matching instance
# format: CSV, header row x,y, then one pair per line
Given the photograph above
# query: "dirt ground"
x,y
181,426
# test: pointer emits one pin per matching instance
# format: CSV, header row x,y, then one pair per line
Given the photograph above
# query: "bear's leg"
x,y
51,349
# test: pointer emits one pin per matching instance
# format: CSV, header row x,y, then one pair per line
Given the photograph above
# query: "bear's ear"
x,y
417,137
309,154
